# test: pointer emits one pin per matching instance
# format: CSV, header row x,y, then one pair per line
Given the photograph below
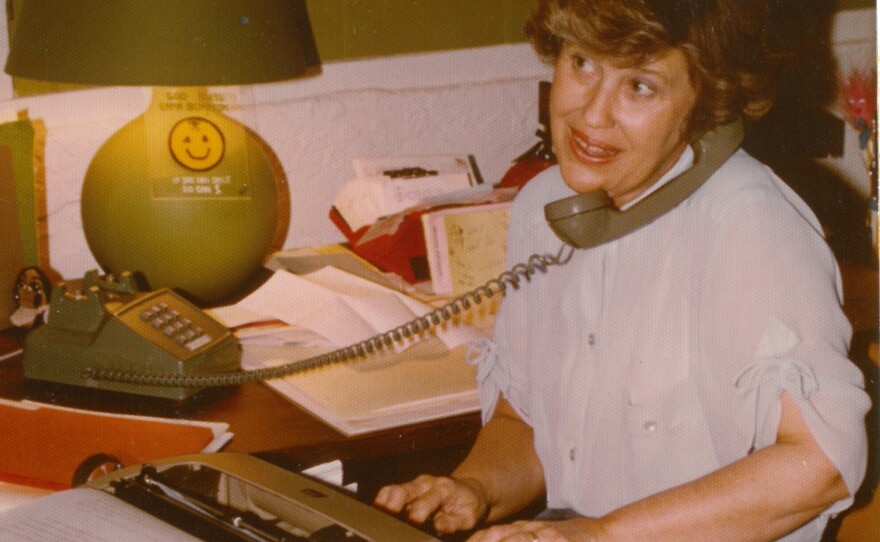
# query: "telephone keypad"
x,y
171,323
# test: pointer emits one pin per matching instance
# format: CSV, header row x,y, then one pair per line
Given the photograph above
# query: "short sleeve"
x,y
777,326
833,408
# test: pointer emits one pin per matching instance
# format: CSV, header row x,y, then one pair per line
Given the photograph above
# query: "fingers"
x,y
419,498
453,505
395,497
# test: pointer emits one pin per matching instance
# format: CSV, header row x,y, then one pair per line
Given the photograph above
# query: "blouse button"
x,y
571,454
591,339
650,427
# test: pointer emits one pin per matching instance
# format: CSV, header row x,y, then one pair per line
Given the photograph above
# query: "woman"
x,y
689,380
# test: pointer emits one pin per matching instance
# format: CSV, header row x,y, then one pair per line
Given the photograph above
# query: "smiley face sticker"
x,y
196,144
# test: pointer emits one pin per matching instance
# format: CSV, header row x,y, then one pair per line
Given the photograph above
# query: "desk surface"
x,y
264,422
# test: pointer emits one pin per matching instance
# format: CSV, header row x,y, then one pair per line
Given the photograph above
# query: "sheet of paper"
x,y
84,515
12,495
343,308
332,473
298,301
439,163
234,316
281,335
466,246
305,260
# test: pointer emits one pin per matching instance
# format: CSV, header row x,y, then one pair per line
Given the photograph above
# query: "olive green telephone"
x,y
589,219
110,323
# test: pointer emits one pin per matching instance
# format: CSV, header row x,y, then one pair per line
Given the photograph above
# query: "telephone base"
x,y
110,324
121,402
44,361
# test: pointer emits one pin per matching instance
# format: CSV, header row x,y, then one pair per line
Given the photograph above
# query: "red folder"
x,y
44,446
401,251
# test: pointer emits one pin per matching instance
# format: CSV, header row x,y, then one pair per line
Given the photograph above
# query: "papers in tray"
x,y
387,185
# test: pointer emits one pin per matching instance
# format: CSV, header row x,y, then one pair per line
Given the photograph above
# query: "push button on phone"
x,y
192,338
175,326
184,336
149,313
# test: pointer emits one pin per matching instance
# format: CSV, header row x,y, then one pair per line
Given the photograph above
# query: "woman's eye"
x,y
642,88
583,64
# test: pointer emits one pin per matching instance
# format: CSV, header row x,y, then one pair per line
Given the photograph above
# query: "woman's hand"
x,y
455,504
500,476
572,530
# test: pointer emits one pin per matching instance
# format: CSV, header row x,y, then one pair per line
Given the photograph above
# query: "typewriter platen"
x,y
217,497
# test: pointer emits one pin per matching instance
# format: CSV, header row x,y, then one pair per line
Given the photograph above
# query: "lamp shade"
x,y
159,42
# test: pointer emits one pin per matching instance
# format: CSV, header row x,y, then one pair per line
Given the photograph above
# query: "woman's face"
x,y
618,128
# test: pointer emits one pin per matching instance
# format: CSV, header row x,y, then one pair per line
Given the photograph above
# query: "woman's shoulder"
x,y
742,176
744,187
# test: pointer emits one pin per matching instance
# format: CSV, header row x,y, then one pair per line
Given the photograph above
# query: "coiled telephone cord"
x,y
377,343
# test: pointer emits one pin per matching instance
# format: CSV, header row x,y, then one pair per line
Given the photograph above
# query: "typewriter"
x,y
216,497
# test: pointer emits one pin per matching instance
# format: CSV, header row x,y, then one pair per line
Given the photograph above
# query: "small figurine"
x,y
859,96
859,93
32,289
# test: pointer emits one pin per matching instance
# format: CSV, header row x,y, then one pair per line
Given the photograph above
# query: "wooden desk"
x,y
265,424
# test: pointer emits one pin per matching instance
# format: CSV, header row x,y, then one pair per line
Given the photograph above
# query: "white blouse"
x,y
652,360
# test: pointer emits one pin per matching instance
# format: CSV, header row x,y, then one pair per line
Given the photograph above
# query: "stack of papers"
x,y
331,308
422,378
386,186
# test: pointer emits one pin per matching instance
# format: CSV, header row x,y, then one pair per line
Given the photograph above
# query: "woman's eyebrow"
x,y
649,67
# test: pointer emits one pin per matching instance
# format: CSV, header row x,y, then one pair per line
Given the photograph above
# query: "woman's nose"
x,y
598,106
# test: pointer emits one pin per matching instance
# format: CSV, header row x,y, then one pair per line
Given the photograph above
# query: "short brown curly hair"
x,y
724,41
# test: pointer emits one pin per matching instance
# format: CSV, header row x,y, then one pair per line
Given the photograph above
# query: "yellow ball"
x,y
191,202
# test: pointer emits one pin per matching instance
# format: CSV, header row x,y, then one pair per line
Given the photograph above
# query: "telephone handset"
x,y
590,219
581,221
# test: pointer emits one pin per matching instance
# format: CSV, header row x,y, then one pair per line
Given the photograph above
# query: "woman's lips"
x,y
590,150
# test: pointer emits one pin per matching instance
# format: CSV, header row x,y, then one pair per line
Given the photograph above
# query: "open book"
x,y
425,382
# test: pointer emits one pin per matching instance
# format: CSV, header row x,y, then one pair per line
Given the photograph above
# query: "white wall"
x,y
481,102
478,101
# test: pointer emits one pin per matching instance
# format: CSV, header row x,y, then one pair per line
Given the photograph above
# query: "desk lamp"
x,y
184,194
